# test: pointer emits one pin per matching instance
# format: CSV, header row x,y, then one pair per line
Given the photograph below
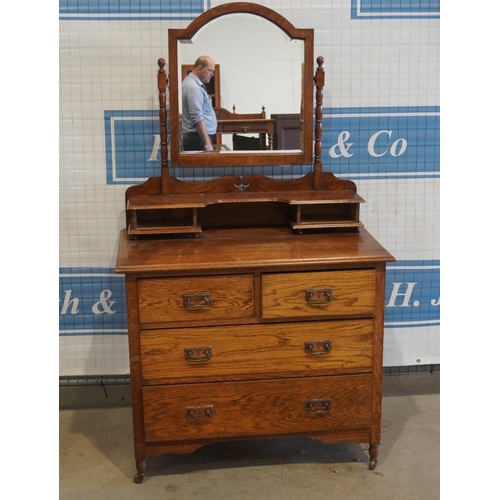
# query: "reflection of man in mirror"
x,y
199,123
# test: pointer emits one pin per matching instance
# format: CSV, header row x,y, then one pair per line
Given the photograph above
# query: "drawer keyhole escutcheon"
x,y
198,354
317,296
319,405
318,347
199,412
196,300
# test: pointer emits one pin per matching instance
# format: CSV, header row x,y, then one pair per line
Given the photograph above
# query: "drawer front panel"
x,y
182,353
196,298
310,294
257,408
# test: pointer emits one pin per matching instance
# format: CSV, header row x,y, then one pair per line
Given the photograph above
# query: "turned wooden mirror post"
x,y
162,97
319,80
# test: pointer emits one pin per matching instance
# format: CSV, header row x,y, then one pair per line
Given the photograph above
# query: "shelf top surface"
x,y
143,202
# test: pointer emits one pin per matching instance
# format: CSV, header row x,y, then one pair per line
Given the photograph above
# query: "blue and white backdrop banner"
x,y
358,143
179,9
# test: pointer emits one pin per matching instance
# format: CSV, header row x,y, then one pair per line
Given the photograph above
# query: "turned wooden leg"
x,y
140,465
373,452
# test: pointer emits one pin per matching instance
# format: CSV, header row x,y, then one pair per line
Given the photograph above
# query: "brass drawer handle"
x,y
319,295
196,300
198,354
319,405
318,347
199,412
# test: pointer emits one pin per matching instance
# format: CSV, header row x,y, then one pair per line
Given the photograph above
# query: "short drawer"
x,y
257,350
312,294
257,408
196,298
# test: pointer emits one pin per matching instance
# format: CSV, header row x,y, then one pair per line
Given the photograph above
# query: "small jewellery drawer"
x,y
253,408
312,294
214,352
196,298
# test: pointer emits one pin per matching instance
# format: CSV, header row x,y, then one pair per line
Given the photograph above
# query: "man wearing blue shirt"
x,y
199,123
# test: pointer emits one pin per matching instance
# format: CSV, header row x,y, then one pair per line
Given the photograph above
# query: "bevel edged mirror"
x,y
265,84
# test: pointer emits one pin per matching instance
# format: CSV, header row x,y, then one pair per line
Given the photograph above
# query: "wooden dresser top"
x,y
249,248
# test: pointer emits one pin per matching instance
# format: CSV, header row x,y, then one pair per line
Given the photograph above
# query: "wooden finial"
x,y
319,78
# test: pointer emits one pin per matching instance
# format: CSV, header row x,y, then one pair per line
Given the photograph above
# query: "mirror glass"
x,y
260,71
259,67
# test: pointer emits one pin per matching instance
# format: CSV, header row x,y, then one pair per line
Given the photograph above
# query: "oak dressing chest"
x,y
255,306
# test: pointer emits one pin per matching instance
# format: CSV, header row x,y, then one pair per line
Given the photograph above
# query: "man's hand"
x,y
202,131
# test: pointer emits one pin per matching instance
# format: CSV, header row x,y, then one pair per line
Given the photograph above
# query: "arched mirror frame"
x,y
246,158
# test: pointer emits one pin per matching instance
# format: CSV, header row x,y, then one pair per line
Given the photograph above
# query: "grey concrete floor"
x,y
97,455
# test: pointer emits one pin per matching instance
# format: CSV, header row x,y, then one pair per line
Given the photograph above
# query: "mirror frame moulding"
x,y
245,158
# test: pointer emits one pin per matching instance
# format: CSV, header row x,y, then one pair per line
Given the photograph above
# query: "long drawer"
x,y
321,293
257,408
205,298
184,353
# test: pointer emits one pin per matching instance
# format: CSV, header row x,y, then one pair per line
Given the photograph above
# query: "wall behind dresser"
x,y
381,129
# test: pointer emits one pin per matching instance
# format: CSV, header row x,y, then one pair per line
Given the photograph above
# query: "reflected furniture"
x,y
247,123
255,305
287,131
